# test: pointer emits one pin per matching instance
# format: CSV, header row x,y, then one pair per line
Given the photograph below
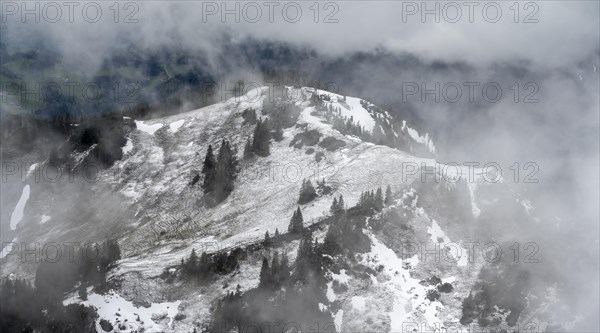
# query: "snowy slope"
x,y
162,220
267,190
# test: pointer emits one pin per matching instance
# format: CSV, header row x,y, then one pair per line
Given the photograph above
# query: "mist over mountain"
x,y
106,132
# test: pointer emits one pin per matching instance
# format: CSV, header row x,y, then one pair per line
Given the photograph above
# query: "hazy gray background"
x,y
560,54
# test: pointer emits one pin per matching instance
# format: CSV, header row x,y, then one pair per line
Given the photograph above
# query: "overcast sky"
x,y
548,33
558,42
548,41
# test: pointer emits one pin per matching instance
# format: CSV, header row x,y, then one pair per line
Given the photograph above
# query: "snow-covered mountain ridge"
x,y
158,216
171,157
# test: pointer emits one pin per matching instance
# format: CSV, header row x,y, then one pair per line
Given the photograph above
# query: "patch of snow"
x,y
150,129
81,156
342,278
322,307
359,303
17,214
337,320
31,169
472,188
449,279
8,248
454,250
414,134
410,304
127,147
437,234
132,193
351,107
358,113
174,126
115,309
45,218
313,122
156,156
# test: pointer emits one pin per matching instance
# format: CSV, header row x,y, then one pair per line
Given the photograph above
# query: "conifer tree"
x,y
306,246
296,224
277,233
338,205
277,130
292,224
300,219
111,252
204,265
227,170
378,200
248,153
388,195
257,136
275,267
265,274
334,206
378,136
191,266
284,269
249,116
306,259
367,200
349,124
261,139
209,170
307,192
267,241
334,232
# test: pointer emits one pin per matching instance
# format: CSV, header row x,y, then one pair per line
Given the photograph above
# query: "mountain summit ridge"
x,y
162,214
